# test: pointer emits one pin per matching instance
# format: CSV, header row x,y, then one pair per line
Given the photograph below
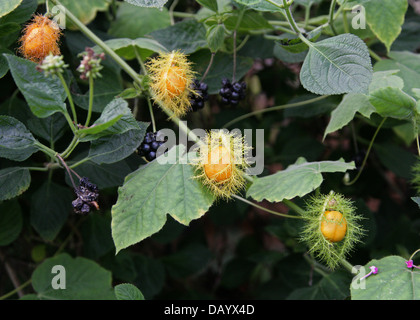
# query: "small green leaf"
x,y
210,4
297,180
148,3
215,37
51,204
408,64
295,45
13,182
16,142
85,11
118,146
10,222
116,118
337,65
261,5
346,110
383,79
152,192
44,95
385,18
250,20
7,6
126,291
394,281
84,280
126,47
332,286
392,102
134,22
187,36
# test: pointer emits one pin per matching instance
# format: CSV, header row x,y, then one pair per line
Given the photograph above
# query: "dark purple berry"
x,y
87,197
148,149
232,93
199,95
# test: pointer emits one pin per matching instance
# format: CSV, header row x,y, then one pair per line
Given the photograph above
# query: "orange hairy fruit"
x,y
333,226
174,80
219,166
40,38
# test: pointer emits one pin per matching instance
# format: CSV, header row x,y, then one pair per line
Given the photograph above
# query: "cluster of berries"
x,y
151,143
199,95
232,93
87,197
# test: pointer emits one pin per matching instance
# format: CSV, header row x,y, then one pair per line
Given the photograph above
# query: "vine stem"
x,y
418,144
367,154
331,16
265,209
11,293
208,67
347,265
149,103
91,91
411,258
281,107
69,96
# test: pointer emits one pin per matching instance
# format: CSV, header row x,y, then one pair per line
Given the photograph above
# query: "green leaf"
x,y
261,5
44,95
7,6
116,118
346,110
295,45
307,3
148,3
297,180
383,79
337,65
392,102
10,222
407,63
215,37
210,4
96,233
13,182
385,18
416,200
126,291
84,280
143,200
151,275
134,22
50,129
394,281
51,204
187,36
118,146
126,47
16,142
85,11
251,20
332,286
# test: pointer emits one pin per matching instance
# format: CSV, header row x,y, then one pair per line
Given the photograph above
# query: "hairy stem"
x,y
284,215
